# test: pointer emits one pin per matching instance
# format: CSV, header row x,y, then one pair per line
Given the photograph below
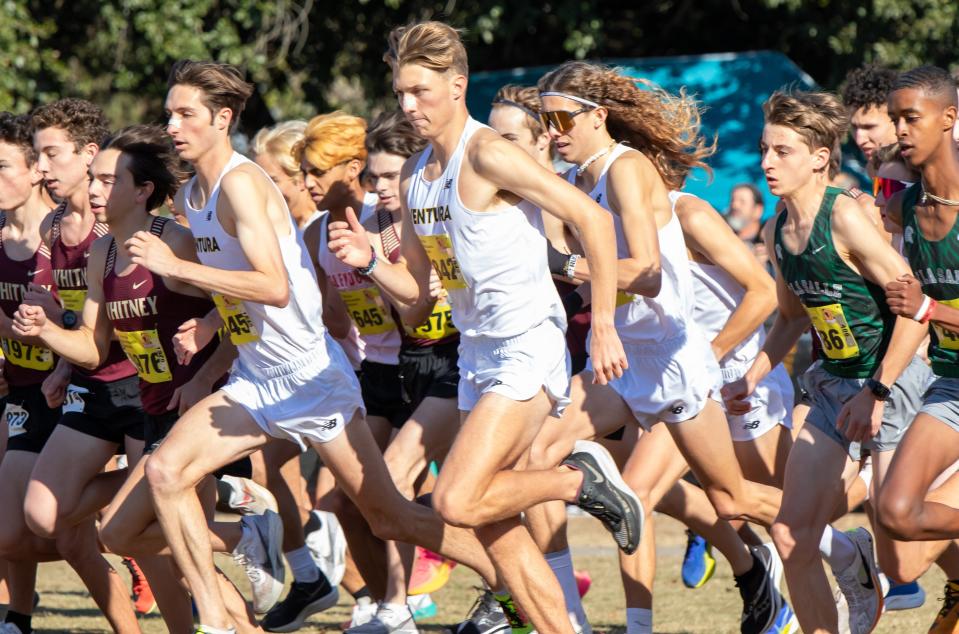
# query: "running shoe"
x,y
10,628
327,546
486,617
583,582
202,630
698,562
363,612
246,497
422,606
758,589
786,622
842,610
143,601
430,572
606,496
861,586
389,619
518,622
261,557
904,596
303,600
947,621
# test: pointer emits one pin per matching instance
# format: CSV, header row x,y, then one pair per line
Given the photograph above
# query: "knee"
x,y
113,538
40,516
725,506
163,476
796,544
455,508
897,514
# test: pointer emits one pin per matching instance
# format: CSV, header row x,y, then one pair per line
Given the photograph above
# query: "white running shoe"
x,y
861,586
363,613
247,497
327,545
261,556
389,619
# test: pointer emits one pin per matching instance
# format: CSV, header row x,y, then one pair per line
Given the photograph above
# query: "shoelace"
x,y
949,601
599,511
690,540
483,605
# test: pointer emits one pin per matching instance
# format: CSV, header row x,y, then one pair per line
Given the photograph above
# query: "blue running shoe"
x,y
698,563
786,622
905,596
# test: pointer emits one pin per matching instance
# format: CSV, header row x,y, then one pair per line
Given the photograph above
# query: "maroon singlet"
x,y
25,364
146,315
70,276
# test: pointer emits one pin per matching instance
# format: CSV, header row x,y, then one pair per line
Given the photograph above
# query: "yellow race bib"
x,y
948,339
235,319
439,248
146,354
16,419
834,332
623,298
73,300
26,355
367,310
438,325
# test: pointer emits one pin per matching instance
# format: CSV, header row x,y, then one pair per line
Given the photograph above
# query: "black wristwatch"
x,y
69,319
880,391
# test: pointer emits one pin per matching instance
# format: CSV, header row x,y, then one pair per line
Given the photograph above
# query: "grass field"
x,y
65,607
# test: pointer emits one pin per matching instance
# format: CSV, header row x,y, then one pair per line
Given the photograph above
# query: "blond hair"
x,y
526,98
664,127
433,45
277,143
819,118
331,139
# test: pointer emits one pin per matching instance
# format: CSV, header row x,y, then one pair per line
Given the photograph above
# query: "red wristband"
x,y
928,314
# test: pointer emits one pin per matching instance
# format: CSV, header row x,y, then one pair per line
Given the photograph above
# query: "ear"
x,y
542,141
88,152
223,118
949,118
458,86
821,158
599,116
354,168
36,176
145,191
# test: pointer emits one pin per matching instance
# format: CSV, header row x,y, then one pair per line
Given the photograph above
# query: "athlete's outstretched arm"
x,y
791,322
708,233
89,344
509,168
243,199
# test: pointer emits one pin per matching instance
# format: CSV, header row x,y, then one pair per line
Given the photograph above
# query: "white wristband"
x,y
571,266
922,308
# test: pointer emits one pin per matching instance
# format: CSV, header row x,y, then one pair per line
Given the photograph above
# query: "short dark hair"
x,y
83,121
16,130
150,158
390,132
929,79
868,86
757,195
223,85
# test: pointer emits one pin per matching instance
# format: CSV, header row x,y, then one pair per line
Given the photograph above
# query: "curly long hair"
x,y
663,126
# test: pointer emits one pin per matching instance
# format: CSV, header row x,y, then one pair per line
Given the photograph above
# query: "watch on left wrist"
x,y
878,389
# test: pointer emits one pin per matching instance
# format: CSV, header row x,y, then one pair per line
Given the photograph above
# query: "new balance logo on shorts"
x,y
327,423
753,424
678,409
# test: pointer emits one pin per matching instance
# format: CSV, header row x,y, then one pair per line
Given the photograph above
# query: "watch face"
x,y
69,319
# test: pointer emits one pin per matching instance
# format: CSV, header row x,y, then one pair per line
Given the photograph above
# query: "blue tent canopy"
x,y
731,86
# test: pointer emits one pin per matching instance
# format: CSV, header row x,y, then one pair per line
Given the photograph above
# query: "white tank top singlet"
x,y
374,334
717,295
642,319
265,336
493,264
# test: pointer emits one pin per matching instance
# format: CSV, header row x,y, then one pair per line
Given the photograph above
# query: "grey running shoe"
x,y
389,619
262,559
606,496
861,586
486,617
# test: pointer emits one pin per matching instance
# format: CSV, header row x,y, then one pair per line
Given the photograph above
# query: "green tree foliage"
x,y
307,56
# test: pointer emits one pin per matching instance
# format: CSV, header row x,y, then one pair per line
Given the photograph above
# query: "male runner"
x,y
289,380
831,261
471,212
864,95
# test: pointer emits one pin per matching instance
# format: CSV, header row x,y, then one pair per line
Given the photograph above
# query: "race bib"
x,y
368,310
833,330
73,402
623,298
948,339
235,319
73,300
438,325
146,354
16,418
26,355
439,248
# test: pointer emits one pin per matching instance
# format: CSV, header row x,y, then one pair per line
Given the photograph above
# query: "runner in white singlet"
x,y
472,212
290,380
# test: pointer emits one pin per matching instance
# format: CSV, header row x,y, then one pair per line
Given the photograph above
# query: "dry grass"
x,y
65,607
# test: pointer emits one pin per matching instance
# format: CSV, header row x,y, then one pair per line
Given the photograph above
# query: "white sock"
x,y
837,549
561,563
206,629
302,564
639,621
